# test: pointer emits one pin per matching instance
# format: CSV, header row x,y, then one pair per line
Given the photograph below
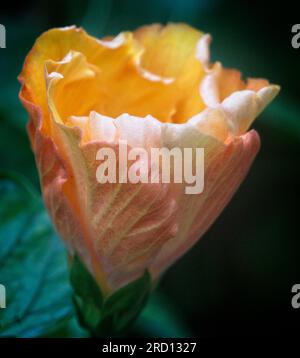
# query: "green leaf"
x,y
32,264
67,329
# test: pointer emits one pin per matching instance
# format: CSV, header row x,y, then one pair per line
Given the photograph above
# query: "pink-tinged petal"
x,y
57,184
223,176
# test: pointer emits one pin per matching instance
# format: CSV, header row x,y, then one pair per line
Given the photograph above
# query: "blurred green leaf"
x,y
32,264
67,329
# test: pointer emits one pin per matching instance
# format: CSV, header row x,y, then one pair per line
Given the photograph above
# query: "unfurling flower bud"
x,y
153,88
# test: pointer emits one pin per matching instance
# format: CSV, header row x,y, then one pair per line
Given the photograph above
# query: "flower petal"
x,y
223,175
170,52
118,74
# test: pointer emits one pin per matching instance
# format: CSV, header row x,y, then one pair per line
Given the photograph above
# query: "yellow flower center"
x,y
153,71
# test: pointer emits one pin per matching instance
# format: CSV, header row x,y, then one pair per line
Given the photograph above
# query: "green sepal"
x,y
112,315
87,298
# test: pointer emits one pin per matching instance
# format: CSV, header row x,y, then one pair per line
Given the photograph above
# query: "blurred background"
x,y
237,280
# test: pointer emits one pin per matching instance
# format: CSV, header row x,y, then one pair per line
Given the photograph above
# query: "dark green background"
x,y
237,280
